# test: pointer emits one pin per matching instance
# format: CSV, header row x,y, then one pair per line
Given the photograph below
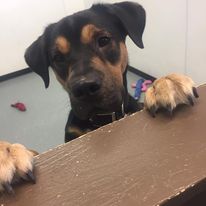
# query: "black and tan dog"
x,y
87,53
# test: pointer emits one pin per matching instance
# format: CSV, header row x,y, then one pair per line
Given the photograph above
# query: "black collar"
x,y
99,120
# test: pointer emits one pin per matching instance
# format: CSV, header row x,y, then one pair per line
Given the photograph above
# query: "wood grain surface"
x,y
137,161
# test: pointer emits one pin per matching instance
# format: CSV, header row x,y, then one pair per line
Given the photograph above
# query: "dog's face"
x,y
88,55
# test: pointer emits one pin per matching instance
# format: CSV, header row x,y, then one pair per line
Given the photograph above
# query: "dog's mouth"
x,y
105,104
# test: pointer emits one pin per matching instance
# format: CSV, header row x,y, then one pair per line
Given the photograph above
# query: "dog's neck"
x,y
102,119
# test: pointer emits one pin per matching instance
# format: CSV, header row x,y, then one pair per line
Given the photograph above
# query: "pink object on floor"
x,y
133,85
145,84
20,106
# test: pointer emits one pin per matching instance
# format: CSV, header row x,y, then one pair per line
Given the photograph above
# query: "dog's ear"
x,y
36,57
133,18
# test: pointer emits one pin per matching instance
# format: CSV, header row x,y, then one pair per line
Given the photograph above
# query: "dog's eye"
x,y
103,41
58,57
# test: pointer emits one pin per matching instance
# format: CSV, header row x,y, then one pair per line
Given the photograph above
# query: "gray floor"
x,y
41,127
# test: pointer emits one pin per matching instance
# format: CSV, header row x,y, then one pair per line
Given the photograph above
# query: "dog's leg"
x,y
15,162
76,127
132,105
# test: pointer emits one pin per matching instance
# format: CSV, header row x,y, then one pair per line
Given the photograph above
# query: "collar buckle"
x,y
102,119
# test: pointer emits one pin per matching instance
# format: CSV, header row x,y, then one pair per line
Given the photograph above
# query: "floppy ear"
x,y
133,18
37,58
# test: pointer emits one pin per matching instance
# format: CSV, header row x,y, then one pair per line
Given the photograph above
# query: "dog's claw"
x,y
152,114
8,188
152,111
195,92
169,109
190,100
31,177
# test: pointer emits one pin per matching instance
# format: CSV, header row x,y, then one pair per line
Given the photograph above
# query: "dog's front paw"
x,y
15,162
170,91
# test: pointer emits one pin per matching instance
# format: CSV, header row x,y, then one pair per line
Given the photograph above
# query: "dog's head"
x,y
88,55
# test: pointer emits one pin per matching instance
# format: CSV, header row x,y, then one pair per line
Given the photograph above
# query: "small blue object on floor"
x,y
138,88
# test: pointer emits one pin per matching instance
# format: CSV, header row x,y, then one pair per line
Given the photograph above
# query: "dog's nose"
x,y
86,87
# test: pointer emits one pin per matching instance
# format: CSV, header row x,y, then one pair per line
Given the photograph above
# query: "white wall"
x,y
22,21
174,38
196,35
164,38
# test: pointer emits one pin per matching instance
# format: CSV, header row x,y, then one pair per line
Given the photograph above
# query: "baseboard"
x,y
140,73
15,74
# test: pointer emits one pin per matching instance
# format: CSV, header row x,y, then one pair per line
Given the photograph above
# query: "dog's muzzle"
x,y
86,87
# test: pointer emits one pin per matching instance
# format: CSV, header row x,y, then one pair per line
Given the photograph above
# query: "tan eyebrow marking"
x,y
87,33
62,44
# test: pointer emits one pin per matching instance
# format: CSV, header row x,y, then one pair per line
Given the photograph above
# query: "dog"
x,y
88,55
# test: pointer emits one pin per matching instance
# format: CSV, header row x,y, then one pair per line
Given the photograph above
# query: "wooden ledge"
x,y
138,160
